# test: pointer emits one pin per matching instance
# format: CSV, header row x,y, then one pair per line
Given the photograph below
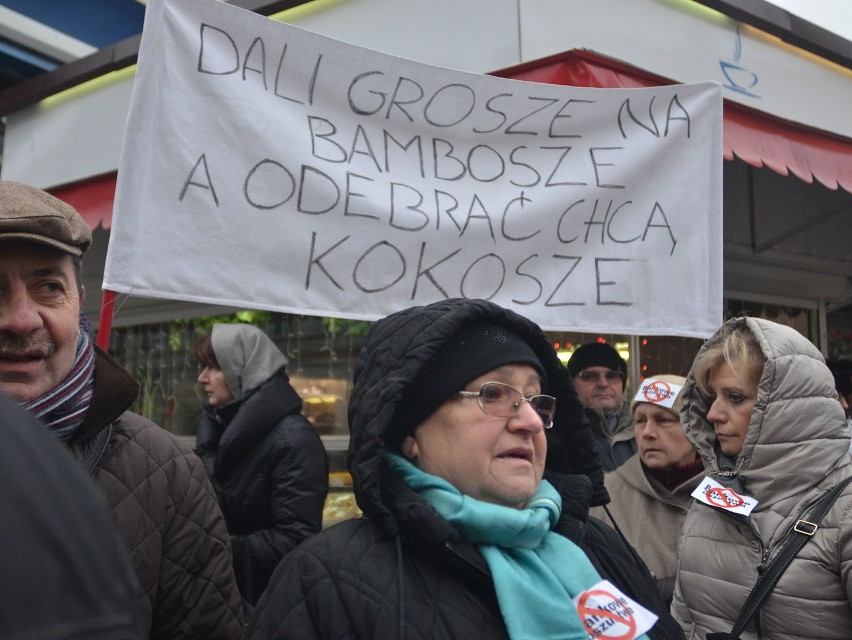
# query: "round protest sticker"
x,y
657,391
724,497
606,615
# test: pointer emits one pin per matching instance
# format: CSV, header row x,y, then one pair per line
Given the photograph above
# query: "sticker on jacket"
x,y
658,392
607,613
711,492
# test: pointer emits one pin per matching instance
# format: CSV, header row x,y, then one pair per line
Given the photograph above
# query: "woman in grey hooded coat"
x,y
760,407
265,460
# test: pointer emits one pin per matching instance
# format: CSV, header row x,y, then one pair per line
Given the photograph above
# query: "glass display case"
x,y
324,403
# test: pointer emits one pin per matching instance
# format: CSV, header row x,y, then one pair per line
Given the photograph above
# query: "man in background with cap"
x,y
157,492
599,374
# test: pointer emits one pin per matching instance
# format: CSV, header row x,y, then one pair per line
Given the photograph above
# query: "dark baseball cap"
x,y
33,215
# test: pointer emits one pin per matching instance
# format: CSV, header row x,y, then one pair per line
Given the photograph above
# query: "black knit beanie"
x,y
596,354
471,352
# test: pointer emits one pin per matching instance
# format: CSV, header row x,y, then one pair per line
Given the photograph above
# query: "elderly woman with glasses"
x,y
475,470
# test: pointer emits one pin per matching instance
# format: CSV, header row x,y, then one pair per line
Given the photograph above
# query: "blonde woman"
x,y
760,407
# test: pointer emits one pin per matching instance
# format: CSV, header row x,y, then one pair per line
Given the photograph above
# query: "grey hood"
x,y
246,355
797,434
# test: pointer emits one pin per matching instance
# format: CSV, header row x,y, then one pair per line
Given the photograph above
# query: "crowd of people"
x,y
504,494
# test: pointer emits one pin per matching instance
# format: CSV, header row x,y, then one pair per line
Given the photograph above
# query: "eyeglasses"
x,y
504,401
593,376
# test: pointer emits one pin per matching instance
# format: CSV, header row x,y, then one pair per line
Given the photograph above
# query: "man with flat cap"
x,y
157,492
599,374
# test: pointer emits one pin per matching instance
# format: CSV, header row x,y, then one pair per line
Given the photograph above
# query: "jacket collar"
x,y
114,392
249,419
624,425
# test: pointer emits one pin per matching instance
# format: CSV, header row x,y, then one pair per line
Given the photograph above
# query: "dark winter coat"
x,y
614,447
164,508
402,571
269,469
65,572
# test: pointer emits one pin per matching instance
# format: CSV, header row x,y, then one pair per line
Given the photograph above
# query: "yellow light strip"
x,y
90,86
305,10
698,10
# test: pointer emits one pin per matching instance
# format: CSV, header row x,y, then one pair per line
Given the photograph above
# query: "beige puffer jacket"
x,y
649,516
795,449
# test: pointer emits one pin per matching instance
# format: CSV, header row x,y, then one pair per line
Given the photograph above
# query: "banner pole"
x,y
105,319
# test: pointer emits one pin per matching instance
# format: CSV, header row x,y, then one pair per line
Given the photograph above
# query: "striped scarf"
x,y
64,407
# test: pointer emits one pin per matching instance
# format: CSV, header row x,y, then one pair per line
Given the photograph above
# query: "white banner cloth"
x,y
268,167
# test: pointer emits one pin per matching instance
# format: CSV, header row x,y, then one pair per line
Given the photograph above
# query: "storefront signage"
x,y
269,167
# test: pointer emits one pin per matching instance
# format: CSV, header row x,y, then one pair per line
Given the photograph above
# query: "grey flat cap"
x,y
33,215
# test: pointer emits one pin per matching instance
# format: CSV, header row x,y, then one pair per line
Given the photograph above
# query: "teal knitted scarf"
x,y
536,572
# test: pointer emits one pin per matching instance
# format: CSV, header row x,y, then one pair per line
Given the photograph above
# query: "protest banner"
x,y
268,167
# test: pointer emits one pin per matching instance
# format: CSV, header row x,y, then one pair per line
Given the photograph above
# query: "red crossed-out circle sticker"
x,y
657,391
604,615
724,497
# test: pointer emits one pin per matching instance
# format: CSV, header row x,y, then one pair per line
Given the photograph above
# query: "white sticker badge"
x,y
608,613
711,492
658,392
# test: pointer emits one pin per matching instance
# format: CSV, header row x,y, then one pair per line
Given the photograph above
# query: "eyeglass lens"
x,y
502,401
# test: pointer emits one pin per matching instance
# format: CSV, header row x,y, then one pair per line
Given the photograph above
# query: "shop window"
x,y
667,354
839,328
802,320
321,354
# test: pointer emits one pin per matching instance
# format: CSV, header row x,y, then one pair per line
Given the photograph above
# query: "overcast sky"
x,y
833,15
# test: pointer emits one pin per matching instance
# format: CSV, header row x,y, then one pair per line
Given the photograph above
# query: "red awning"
x,y
93,198
754,137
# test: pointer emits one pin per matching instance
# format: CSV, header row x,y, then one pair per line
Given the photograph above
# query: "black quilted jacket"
x,y
402,571
269,469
